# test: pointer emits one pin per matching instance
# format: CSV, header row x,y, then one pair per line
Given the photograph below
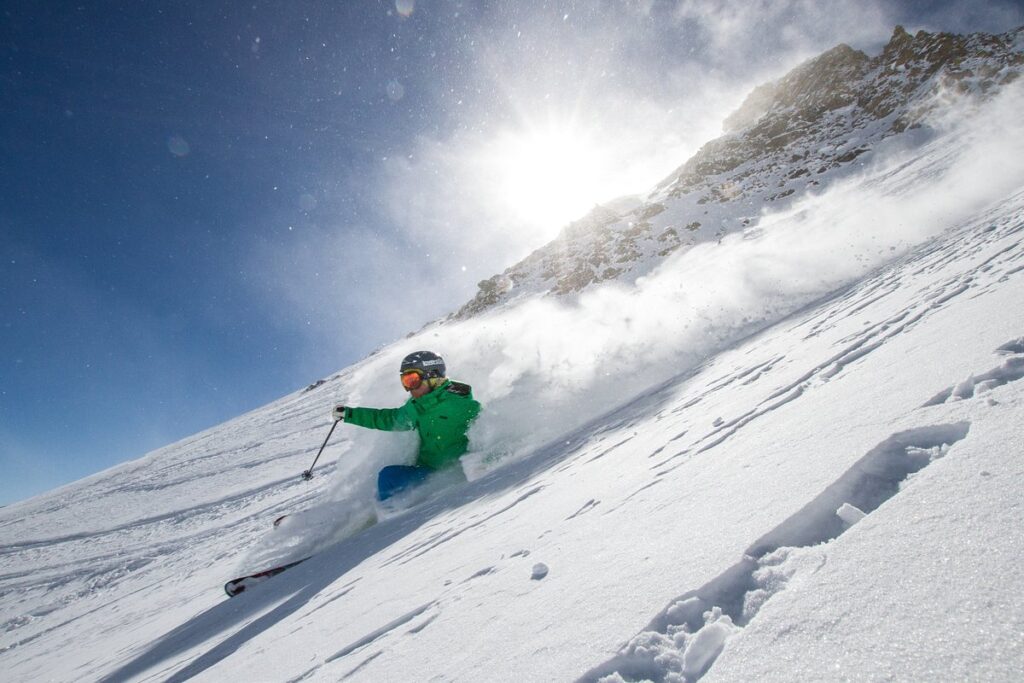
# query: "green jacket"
x,y
441,417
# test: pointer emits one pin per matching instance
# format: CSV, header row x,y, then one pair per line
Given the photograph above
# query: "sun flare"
x,y
549,176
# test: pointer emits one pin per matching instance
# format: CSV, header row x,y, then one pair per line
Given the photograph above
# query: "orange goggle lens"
x,y
411,380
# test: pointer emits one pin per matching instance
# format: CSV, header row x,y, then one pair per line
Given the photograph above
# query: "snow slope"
x,y
794,455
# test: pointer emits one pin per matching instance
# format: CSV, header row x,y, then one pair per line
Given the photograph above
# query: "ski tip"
x,y
236,586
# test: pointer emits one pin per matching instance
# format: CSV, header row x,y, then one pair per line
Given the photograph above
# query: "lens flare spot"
x,y
396,90
405,8
178,146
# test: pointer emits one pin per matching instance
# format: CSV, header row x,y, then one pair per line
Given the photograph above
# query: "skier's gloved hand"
x,y
338,413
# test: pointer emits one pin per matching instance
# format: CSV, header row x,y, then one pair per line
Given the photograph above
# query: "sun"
x,y
549,175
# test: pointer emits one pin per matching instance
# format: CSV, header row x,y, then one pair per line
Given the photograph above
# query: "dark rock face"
x,y
788,136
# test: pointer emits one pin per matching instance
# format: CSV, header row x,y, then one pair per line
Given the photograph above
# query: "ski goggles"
x,y
411,379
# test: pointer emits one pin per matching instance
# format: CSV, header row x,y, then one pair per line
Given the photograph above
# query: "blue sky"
x,y
205,206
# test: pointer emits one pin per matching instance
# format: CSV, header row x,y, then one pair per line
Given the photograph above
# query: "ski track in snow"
x,y
690,633
55,587
855,347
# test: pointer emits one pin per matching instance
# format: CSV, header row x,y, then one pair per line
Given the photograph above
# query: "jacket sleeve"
x,y
400,419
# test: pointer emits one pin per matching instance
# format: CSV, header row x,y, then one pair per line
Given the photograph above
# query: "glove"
x,y
338,413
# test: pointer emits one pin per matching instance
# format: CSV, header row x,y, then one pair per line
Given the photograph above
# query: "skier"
x,y
438,408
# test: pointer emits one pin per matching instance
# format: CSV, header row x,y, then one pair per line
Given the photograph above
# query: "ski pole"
x,y
308,474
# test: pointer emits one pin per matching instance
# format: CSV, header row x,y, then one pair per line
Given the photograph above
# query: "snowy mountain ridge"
x,y
796,135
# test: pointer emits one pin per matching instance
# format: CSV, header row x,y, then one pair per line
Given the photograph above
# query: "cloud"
x,y
965,16
736,32
740,33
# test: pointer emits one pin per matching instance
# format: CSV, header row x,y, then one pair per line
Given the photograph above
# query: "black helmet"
x,y
427,362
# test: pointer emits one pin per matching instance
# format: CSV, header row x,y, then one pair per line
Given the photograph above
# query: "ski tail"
x,y
239,585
